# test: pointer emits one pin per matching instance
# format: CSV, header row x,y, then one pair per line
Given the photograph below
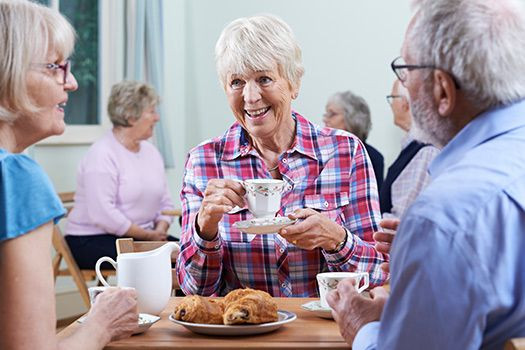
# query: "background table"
x,y
306,332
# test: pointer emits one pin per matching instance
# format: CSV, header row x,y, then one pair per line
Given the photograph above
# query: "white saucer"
x,y
260,226
242,329
145,321
317,309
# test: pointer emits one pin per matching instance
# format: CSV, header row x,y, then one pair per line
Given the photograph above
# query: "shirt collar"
x,y
489,124
237,141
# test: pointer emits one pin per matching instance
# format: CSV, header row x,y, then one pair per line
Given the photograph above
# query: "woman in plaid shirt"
x,y
330,184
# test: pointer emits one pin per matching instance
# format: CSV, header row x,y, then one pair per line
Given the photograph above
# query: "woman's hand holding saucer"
x,y
220,197
314,230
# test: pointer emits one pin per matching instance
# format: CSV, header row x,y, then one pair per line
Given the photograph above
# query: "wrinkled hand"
x,y
384,239
157,235
315,230
220,197
116,311
352,310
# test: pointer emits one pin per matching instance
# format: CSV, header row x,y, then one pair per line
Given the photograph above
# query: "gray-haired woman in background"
x,y
121,183
347,111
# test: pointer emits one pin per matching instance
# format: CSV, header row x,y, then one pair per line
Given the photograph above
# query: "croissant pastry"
x,y
197,309
249,306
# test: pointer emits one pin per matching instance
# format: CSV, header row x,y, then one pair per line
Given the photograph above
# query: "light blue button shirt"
x,y
458,260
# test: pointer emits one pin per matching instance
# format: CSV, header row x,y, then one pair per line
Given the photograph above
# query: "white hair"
x,y
29,32
481,43
259,43
356,113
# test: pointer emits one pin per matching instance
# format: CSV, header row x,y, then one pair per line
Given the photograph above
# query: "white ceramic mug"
x,y
148,272
328,281
263,196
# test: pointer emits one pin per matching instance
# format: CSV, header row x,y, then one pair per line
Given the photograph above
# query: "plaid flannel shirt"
x,y
325,169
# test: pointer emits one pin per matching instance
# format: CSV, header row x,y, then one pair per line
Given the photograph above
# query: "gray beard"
x,y
427,125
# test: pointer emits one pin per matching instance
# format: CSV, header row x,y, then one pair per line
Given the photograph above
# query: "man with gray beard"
x,y
457,266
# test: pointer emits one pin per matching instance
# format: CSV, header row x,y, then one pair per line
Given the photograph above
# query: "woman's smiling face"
x,y
49,94
260,100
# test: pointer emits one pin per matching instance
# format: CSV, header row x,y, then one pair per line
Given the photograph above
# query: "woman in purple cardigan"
x,y
121,184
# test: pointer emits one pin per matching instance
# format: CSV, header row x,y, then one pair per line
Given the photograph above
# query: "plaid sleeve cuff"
x,y
208,247
343,255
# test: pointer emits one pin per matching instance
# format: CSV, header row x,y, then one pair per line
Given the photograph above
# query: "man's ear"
x,y
445,93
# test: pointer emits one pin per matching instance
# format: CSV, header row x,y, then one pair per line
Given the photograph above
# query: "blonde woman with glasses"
x,y
35,80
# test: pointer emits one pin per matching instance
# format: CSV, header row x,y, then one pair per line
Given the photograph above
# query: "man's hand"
x,y
352,310
385,238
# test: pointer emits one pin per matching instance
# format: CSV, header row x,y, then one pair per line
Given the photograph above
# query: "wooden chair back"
x,y
80,277
515,344
128,245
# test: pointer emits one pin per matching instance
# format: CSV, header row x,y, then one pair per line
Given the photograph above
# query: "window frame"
x,y
111,63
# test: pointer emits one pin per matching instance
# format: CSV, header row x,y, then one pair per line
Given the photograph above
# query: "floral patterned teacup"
x,y
263,196
328,281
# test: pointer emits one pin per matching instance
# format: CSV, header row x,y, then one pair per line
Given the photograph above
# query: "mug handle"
x,y
363,276
97,268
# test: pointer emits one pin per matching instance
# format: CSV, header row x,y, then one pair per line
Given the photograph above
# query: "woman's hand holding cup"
x,y
115,310
220,197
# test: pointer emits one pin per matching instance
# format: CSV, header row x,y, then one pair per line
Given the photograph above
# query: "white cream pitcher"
x,y
148,272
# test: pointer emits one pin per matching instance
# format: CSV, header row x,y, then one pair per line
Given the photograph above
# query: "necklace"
x,y
273,169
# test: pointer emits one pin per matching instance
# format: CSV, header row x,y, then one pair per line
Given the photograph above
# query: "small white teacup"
x,y
263,196
328,281
95,291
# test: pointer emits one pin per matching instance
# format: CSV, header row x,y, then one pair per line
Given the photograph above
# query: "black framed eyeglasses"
x,y
390,98
66,68
401,70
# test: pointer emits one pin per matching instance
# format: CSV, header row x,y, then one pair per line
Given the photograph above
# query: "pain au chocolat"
x,y
240,306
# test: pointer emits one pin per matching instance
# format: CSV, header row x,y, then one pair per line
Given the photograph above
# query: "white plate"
x,y
263,225
316,308
242,329
145,321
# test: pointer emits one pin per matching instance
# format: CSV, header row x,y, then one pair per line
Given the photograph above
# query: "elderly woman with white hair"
x,y
349,112
327,175
35,82
121,182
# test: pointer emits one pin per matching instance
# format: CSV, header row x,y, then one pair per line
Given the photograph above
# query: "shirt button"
x,y
281,250
284,160
217,246
289,187
326,204
284,285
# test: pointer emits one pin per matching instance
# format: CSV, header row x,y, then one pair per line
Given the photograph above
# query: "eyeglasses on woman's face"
x,y
62,71
390,98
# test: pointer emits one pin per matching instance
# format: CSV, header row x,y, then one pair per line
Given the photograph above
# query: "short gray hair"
x,y
259,43
481,43
356,113
29,32
128,100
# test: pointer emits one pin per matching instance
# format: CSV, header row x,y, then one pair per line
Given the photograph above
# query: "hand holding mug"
x,y
115,310
352,310
220,197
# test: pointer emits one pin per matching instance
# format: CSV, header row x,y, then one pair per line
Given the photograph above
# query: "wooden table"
x,y
306,332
